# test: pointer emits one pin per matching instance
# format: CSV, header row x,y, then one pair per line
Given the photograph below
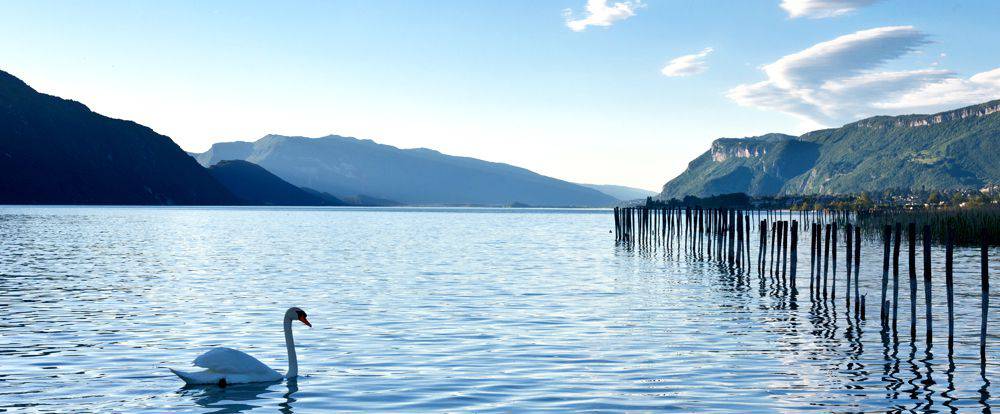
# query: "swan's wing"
x,y
231,361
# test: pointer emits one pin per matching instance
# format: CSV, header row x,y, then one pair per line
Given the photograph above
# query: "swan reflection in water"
x,y
242,397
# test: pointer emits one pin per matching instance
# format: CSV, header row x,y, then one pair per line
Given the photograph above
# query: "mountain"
x,y
947,150
57,151
348,166
621,192
257,186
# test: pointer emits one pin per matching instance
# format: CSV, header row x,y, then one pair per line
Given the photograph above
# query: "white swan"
x,y
225,366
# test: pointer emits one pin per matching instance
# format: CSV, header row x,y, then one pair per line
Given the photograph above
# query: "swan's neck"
x,y
293,362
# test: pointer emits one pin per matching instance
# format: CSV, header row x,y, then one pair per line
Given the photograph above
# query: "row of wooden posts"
x,y
723,235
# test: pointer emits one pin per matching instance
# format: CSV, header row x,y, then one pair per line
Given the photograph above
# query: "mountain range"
x,y
346,166
58,151
947,150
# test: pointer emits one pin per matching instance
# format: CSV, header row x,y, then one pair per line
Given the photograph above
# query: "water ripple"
x,y
423,310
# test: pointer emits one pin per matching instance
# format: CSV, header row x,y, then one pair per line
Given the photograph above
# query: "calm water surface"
x,y
444,310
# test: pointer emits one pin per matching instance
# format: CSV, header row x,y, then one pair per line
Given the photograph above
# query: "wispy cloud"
x,y
838,81
818,9
600,13
687,65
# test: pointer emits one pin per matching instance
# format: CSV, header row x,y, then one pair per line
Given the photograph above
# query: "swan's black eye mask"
x,y
302,318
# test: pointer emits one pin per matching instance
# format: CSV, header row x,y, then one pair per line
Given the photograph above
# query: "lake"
x,y
446,310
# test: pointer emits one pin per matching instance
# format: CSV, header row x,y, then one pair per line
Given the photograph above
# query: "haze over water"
x,y
446,310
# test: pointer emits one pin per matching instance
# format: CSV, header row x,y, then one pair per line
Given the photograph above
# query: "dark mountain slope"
x,y
56,151
257,186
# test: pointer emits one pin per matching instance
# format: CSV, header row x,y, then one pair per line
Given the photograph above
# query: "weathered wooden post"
x,y
746,222
638,225
680,231
625,224
701,231
985,286
833,251
784,250
720,234
849,242
857,270
774,247
911,234
731,256
887,242
812,260
863,307
927,284
949,287
826,260
762,248
795,254
895,278
739,240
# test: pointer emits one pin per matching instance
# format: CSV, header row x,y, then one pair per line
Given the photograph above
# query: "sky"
x,y
606,92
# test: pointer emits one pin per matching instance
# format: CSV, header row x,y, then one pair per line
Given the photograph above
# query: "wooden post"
x,y
732,238
812,260
911,234
895,278
723,229
762,249
623,216
701,231
784,250
746,222
884,311
848,253
826,260
985,278
795,254
774,247
739,239
857,271
863,306
927,284
949,287
833,251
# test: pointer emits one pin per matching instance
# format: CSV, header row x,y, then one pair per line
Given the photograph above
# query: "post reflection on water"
x,y
908,377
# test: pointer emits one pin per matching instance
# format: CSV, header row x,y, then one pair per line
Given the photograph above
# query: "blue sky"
x,y
617,92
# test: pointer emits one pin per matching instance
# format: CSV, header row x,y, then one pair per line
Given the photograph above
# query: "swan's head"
x,y
299,314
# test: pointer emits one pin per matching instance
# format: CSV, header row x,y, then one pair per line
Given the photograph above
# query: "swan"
x,y
225,366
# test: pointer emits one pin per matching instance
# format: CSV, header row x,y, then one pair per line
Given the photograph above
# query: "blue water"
x,y
444,310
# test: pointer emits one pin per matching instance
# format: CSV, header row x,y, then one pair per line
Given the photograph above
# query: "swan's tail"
x,y
197,378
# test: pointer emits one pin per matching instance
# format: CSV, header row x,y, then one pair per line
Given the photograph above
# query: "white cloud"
x,y
687,65
818,9
949,93
599,13
837,81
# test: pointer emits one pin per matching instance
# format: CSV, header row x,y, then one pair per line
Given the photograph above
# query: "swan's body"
x,y
229,366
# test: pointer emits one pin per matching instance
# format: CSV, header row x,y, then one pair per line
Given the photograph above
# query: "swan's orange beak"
x,y
303,319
